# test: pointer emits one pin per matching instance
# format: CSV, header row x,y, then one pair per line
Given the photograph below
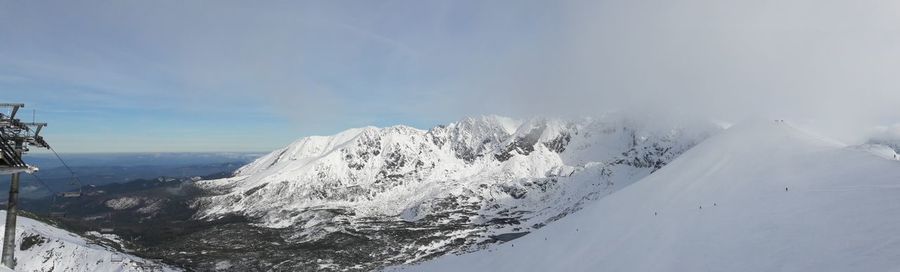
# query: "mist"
x,y
827,64
708,57
338,64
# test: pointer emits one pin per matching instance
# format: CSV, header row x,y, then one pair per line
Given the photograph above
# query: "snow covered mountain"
x,y
468,183
760,196
42,247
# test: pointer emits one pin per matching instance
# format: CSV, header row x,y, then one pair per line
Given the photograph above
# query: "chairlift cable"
x,y
39,180
74,177
52,193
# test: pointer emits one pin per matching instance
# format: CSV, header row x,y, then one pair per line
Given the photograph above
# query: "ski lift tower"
x,y
15,139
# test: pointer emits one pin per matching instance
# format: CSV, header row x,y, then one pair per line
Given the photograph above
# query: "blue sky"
x,y
235,76
130,76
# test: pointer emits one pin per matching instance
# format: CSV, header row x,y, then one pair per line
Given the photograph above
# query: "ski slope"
x,y
53,249
760,196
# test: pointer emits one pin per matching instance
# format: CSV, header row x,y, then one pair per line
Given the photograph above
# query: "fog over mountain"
x,y
456,135
825,63
435,62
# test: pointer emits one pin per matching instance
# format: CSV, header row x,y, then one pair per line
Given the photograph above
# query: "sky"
x,y
195,76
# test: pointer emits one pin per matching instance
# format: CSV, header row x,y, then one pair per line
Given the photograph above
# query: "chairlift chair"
x,y
116,258
71,194
57,214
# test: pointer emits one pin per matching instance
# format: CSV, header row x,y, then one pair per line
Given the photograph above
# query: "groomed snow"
x,y
761,196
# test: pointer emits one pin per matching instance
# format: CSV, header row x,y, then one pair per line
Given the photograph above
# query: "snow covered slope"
x,y
761,196
42,247
477,180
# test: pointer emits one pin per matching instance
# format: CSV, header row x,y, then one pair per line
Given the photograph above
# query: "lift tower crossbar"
x,y
15,138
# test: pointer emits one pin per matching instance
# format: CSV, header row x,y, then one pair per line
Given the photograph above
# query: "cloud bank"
x,y
344,63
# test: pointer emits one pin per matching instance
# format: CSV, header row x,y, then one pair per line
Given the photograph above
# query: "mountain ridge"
x,y
477,181
761,196
42,247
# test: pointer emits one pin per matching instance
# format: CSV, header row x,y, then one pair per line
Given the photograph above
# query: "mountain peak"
x,y
470,180
723,206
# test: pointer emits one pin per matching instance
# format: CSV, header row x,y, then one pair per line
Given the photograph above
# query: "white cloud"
x,y
342,63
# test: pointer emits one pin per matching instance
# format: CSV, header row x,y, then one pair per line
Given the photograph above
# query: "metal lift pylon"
x,y
15,138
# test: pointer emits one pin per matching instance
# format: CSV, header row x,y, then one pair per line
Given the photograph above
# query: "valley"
x,y
372,198
368,201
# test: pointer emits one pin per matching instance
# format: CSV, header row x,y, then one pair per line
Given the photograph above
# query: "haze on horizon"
x,y
241,76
